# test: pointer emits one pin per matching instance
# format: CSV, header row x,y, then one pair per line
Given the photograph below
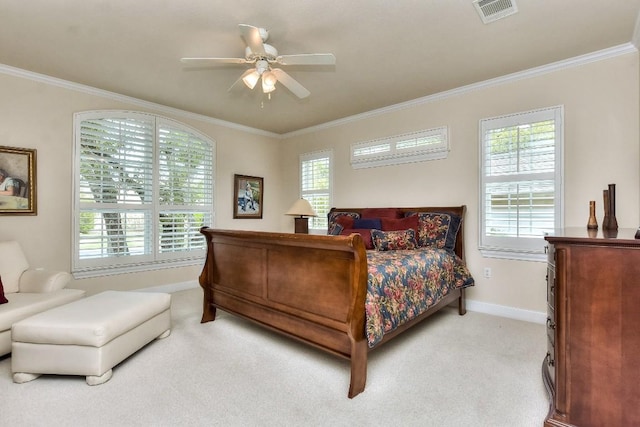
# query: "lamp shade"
x,y
251,79
268,82
301,207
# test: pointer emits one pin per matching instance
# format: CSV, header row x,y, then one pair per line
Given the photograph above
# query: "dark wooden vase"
x,y
605,204
592,224
610,222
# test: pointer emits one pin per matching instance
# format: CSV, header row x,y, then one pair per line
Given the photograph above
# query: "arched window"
x,y
143,187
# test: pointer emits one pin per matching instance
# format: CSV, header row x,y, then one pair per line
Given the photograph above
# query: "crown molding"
x,y
601,55
89,90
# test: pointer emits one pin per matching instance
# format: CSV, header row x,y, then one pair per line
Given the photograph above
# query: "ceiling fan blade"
x,y
208,62
290,83
252,37
307,59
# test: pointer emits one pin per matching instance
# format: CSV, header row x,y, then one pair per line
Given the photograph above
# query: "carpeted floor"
x,y
472,370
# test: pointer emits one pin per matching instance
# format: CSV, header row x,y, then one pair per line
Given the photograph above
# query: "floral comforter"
x,y
405,283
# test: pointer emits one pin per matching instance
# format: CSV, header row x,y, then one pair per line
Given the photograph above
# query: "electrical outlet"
x,y
487,272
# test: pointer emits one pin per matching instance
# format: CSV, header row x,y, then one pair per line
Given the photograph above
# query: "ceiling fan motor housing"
x,y
262,66
270,54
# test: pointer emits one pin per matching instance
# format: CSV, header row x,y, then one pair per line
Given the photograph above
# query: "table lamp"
x,y
301,209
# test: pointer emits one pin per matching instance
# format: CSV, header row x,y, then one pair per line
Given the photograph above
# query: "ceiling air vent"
x,y
492,10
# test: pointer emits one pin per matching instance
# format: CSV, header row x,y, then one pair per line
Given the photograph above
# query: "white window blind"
x,y
185,189
315,186
144,187
521,165
419,146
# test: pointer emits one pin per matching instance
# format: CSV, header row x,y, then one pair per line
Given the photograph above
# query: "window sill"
x,y
514,255
86,273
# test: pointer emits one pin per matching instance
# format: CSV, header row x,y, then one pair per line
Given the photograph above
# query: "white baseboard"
x,y
172,287
509,312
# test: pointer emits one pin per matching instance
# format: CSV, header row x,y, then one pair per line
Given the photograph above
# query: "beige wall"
x,y
601,146
34,114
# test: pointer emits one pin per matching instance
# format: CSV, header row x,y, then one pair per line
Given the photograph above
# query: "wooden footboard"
x,y
309,287
312,288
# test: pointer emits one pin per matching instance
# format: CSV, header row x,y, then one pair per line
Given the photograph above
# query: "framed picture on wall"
x,y
247,196
17,181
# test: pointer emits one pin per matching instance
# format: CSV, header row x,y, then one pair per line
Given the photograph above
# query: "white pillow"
x,y
12,265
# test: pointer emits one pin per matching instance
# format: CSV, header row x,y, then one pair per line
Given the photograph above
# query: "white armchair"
x,y
28,291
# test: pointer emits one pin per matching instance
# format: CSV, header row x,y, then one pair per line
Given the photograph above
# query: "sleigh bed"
x,y
346,292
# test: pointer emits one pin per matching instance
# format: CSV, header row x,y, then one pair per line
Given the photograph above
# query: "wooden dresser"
x,y
592,367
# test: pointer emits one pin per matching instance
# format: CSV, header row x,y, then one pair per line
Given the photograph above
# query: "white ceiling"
x,y
388,52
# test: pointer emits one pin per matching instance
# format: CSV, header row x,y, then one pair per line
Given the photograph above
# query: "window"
x,y
143,187
410,147
521,185
315,186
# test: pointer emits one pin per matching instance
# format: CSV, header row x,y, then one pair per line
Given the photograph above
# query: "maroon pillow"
x,y
381,213
364,232
389,224
3,299
345,221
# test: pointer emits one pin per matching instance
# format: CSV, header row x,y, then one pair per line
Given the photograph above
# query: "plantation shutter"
x,y
185,189
430,144
114,153
520,179
315,186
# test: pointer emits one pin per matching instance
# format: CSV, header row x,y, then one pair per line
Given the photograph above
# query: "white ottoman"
x,y
89,336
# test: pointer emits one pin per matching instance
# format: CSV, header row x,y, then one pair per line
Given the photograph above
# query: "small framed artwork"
x,y
247,196
17,181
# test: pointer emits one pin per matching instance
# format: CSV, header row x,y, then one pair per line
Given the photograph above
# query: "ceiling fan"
x,y
264,57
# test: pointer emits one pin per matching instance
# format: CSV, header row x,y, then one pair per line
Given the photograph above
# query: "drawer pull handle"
x,y
550,323
550,361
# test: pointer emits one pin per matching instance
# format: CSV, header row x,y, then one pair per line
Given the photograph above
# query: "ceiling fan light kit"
x,y
263,56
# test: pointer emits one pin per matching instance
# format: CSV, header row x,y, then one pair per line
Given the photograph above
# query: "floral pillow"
x,y
394,240
344,219
438,230
335,230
